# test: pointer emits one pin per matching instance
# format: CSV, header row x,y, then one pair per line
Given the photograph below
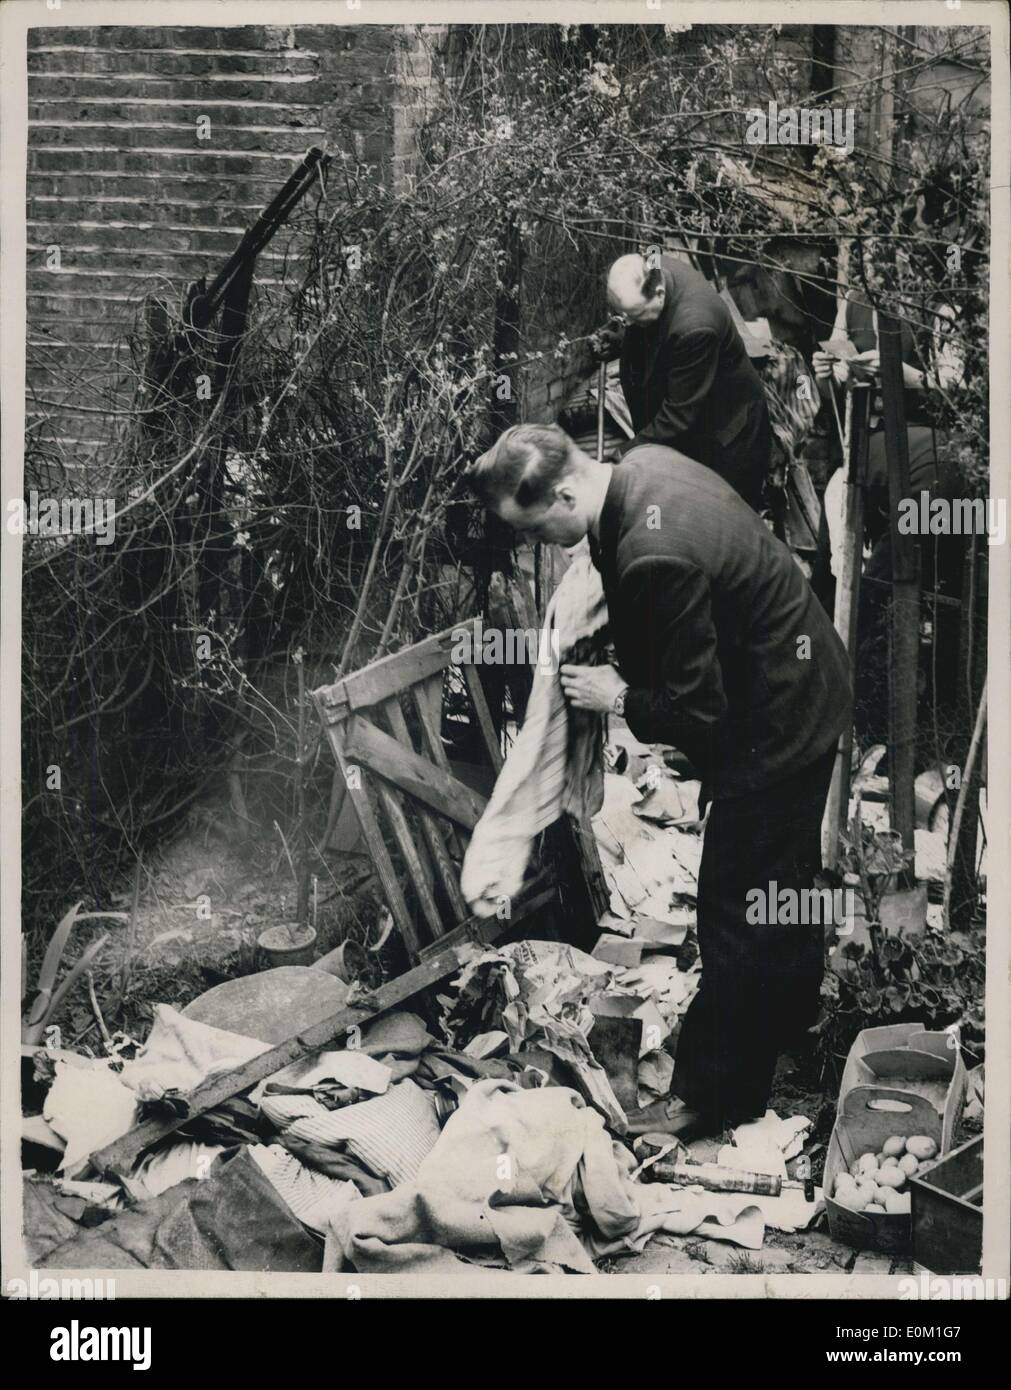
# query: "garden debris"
x,y
528,1180
650,869
765,1146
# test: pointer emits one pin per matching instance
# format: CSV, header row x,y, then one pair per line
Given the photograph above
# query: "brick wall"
x,y
119,181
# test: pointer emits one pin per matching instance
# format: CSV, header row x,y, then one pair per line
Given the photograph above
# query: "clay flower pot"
x,y
287,944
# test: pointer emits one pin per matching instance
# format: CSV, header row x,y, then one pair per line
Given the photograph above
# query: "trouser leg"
x,y
760,980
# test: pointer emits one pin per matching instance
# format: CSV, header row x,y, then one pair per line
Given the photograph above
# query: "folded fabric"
x,y
555,763
391,1134
527,1180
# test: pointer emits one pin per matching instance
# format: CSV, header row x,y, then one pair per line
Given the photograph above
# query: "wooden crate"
x,y
905,1056
869,1114
948,1212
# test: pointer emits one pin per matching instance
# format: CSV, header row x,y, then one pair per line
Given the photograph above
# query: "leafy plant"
x,y
933,978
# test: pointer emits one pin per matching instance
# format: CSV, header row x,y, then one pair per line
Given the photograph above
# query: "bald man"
x,y
685,372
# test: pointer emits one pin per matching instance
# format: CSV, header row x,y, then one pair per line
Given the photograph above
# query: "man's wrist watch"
x,y
619,702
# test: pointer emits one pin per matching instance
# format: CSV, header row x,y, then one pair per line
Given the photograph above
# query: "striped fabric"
x,y
555,763
390,1135
313,1198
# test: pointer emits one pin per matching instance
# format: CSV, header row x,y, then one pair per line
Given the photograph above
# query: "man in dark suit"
x,y
685,372
724,651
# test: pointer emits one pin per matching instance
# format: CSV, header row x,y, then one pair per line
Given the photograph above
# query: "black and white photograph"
x,y
506,655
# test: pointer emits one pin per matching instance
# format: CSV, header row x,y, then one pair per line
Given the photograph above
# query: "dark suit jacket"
x,y
729,655
690,385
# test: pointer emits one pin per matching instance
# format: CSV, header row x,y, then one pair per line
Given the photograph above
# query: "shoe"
x,y
671,1116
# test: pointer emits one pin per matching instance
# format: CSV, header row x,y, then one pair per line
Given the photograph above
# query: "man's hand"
x,y
605,342
592,687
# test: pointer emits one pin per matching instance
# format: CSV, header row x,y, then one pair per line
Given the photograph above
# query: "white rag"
x,y
555,764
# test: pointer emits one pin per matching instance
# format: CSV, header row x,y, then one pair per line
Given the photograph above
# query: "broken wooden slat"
x,y
414,774
427,700
120,1156
373,835
391,674
485,722
430,827
420,871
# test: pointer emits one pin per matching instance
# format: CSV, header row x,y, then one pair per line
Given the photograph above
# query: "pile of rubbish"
x,y
492,1133
495,1147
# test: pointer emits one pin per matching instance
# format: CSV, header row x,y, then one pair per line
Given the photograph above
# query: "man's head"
x,y
634,291
537,480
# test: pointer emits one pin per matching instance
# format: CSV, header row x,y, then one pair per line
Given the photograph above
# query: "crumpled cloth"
x,y
556,763
181,1053
530,1181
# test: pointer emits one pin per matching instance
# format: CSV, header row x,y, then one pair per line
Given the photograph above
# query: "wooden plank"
x,y
388,676
430,827
120,1156
419,870
414,774
904,647
427,700
361,800
484,720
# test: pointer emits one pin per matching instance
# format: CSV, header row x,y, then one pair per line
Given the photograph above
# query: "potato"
x,y
867,1165
873,1206
891,1177
908,1164
897,1203
921,1146
843,1183
893,1146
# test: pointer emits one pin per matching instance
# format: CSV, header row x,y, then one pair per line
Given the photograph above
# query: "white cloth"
x,y
528,1180
555,763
